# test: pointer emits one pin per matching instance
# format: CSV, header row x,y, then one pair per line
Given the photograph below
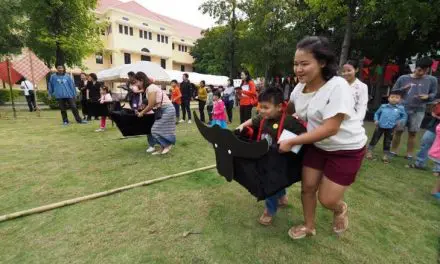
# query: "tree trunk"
x,y
233,29
348,34
60,59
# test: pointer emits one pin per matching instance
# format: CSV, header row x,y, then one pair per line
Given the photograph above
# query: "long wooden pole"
x,y
97,195
8,63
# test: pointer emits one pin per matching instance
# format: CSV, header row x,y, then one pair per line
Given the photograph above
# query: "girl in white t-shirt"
x,y
336,137
359,89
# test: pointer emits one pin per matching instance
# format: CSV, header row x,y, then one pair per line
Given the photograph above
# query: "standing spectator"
x,y
210,102
228,98
176,98
287,88
359,89
247,96
163,132
62,88
106,98
386,118
186,88
202,96
29,93
83,90
93,96
426,142
420,89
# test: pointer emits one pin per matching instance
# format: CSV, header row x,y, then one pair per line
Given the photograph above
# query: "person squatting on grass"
x,y
334,131
272,120
386,118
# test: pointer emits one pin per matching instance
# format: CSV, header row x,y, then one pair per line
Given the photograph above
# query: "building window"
x,y
182,68
126,30
158,38
173,46
150,35
166,40
145,35
127,58
121,29
163,63
99,59
141,33
145,58
131,31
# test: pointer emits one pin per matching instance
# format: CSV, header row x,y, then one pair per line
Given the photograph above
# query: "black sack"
x,y
130,124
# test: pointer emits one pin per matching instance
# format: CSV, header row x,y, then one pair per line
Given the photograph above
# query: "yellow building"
x,y
136,33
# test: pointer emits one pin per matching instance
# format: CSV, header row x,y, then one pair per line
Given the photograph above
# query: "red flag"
x,y
15,76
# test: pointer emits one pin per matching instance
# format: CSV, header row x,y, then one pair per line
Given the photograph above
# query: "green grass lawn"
x,y
393,218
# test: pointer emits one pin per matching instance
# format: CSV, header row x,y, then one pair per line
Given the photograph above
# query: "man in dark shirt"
x,y
186,88
420,89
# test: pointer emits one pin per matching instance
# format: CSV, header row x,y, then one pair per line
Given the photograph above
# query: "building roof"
x,y
181,28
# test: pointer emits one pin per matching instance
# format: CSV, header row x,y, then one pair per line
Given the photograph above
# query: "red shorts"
x,y
340,167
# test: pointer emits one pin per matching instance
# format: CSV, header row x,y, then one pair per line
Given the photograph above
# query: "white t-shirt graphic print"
x,y
335,97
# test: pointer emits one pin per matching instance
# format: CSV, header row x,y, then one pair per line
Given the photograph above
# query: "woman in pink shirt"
x,y
434,155
218,113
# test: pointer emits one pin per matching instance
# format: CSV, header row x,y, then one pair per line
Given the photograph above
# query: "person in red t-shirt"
x,y
247,94
176,98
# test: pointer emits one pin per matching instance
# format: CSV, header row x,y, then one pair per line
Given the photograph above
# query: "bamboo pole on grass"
x,y
8,63
97,195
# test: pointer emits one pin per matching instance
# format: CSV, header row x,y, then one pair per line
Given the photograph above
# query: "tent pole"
x,y
10,87
35,85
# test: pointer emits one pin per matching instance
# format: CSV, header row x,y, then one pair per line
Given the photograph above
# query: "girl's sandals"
x,y
300,232
265,219
340,220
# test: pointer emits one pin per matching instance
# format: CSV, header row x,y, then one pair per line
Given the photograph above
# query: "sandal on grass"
x,y
414,166
265,219
283,202
340,220
300,232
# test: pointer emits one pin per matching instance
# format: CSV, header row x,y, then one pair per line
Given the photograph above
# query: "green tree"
x,y
12,27
63,31
225,12
270,39
212,52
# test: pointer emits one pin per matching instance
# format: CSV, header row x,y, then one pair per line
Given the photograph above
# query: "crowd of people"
x,y
331,101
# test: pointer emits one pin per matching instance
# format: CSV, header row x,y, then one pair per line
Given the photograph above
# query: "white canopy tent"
x,y
195,78
120,73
